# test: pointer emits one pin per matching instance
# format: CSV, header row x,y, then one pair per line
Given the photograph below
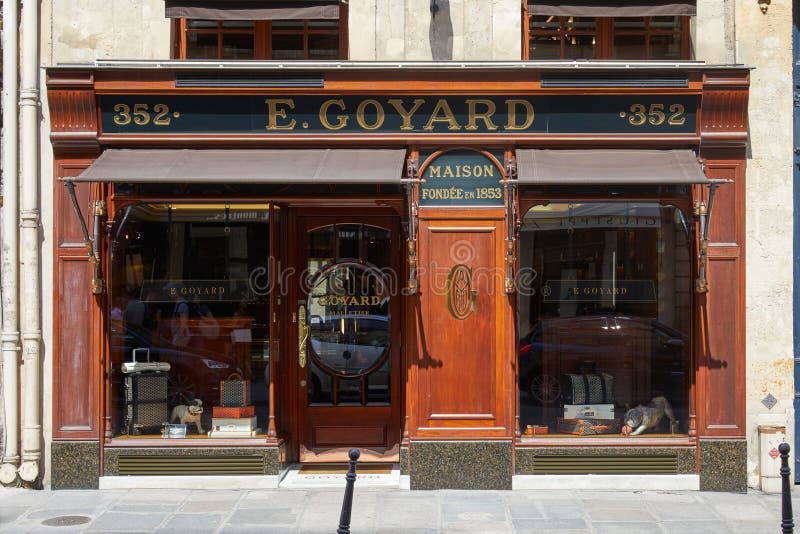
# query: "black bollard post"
x,y
347,504
787,520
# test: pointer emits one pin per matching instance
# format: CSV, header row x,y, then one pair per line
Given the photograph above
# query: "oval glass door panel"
x,y
348,311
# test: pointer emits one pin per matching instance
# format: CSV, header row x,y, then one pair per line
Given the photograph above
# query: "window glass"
x,y
189,292
604,320
545,47
287,46
198,24
323,46
237,46
202,46
630,46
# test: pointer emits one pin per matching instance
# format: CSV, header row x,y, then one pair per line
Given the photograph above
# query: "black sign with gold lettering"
x,y
461,178
400,114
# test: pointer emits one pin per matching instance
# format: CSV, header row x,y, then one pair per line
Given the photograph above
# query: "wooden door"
x,y
347,348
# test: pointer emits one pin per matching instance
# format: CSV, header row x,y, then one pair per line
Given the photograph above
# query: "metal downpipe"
x,y
9,260
30,468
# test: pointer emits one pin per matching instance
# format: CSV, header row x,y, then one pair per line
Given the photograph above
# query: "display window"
x,y
604,320
189,292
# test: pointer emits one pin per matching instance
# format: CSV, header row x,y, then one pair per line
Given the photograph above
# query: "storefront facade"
x,y
494,278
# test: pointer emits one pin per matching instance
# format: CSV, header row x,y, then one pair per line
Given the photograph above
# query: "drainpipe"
x,y
9,258
29,219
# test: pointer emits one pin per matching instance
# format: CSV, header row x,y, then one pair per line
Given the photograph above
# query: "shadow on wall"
x,y
441,30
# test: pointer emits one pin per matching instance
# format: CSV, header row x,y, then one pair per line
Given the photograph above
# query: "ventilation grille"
x,y
603,79
604,465
247,79
191,465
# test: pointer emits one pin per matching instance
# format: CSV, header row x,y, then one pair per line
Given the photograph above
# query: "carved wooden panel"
x,y
462,361
74,367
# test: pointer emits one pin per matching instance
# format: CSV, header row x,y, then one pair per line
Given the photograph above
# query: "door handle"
x,y
302,336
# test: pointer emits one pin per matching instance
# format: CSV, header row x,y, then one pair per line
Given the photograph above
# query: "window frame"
x,y
605,34
262,36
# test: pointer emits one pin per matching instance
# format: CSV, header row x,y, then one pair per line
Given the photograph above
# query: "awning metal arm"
x,y
703,211
411,184
510,186
91,243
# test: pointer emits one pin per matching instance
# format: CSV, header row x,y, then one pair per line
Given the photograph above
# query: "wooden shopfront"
x,y
409,259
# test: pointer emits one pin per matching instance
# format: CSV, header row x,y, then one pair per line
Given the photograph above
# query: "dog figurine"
x,y
642,418
189,413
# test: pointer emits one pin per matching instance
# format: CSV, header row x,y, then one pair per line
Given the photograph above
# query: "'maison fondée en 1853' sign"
x,y
401,114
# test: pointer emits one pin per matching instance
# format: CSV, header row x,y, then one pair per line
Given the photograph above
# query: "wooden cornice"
x,y
73,110
723,109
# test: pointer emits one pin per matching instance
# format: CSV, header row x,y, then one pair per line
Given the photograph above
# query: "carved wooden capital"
x,y
723,119
73,109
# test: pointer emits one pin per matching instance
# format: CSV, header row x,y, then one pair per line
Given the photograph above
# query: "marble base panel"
x,y
723,465
272,463
480,465
75,464
524,464
404,460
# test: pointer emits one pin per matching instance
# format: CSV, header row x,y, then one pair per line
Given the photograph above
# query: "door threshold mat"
x,y
334,475
341,469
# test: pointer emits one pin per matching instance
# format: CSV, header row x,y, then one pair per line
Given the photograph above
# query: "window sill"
x,y
607,440
154,440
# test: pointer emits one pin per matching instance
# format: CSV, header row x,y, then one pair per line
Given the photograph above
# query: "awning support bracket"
x,y
411,183
703,211
91,243
510,186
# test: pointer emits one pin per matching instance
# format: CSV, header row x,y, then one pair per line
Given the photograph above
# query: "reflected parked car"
x,y
667,358
194,372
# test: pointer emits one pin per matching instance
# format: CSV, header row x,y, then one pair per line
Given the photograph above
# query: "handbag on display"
x,y
234,392
587,388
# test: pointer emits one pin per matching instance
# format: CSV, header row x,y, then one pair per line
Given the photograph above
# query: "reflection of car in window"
x,y
193,372
349,344
666,355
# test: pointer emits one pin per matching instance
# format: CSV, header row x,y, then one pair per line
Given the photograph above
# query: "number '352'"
x,y
657,114
141,115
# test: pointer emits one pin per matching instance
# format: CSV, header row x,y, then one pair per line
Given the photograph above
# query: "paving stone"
x,y
263,529
558,525
46,513
475,511
531,510
116,521
192,523
10,513
744,511
141,508
627,528
482,527
208,506
682,512
696,527
274,516
756,527
620,515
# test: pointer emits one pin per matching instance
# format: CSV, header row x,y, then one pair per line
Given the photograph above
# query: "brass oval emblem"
x,y
460,298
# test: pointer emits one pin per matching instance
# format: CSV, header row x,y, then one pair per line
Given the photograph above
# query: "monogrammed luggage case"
x,y
595,388
146,408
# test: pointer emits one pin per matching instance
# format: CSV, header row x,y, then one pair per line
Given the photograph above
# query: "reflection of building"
x,y
558,231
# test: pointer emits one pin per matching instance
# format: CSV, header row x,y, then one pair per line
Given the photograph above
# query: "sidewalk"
x,y
391,510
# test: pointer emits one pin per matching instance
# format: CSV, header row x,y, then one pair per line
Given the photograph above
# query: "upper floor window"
x,y
302,30
615,30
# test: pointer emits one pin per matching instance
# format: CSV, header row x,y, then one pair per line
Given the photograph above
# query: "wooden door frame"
x,y
296,257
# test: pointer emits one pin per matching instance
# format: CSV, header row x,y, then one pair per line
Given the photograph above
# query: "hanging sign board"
x,y
406,115
461,178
